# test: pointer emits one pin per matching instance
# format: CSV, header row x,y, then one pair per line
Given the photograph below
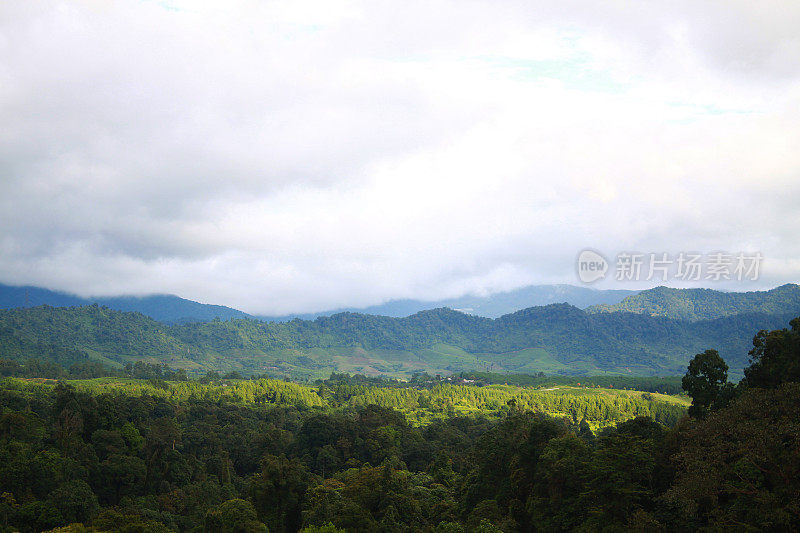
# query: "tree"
x,y
738,469
775,357
278,492
210,377
74,500
120,475
561,474
233,516
706,376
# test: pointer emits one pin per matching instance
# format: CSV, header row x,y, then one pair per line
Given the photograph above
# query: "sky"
x,y
286,157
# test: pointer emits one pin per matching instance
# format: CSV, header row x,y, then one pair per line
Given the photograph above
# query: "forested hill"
x,y
705,304
557,338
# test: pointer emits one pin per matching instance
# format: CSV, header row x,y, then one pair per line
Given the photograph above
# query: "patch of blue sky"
x,y
710,109
575,73
165,4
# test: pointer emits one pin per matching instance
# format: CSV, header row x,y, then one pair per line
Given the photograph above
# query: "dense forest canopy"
x,y
353,453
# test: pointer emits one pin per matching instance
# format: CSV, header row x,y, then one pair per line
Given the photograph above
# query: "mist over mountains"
x,y
169,308
161,307
491,306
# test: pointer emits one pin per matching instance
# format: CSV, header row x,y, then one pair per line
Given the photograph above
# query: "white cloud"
x,y
282,157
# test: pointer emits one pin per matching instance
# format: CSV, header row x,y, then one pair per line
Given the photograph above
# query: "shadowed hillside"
x,y
557,338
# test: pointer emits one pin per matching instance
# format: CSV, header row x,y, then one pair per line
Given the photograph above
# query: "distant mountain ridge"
x,y
161,307
491,306
169,308
558,338
707,304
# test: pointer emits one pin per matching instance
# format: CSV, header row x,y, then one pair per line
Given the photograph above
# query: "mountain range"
x,y
169,308
556,338
491,306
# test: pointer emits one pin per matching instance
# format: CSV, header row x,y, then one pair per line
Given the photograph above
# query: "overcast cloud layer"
x,y
295,156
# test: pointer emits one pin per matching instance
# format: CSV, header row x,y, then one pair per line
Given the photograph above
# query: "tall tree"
x,y
706,376
775,357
